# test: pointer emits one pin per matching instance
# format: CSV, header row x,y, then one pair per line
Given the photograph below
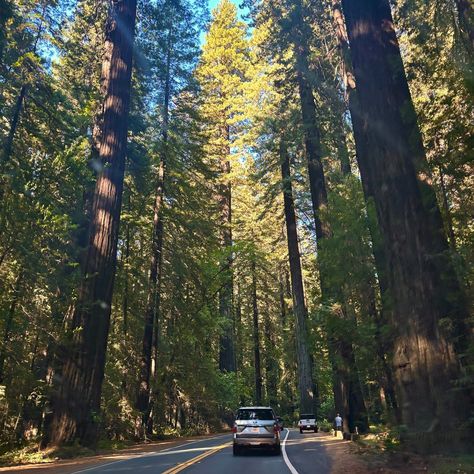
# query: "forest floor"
x,y
346,457
393,460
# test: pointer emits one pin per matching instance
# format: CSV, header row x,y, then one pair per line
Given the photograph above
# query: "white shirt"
x,y
338,421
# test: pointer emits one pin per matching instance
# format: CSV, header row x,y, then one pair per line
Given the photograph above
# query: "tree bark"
x,y
422,287
256,335
77,406
305,369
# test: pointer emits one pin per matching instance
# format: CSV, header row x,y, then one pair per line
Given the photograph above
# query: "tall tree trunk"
x,y
77,406
281,295
384,346
239,356
8,325
256,335
355,409
126,290
447,212
421,282
342,151
152,310
304,366
271,363
227,350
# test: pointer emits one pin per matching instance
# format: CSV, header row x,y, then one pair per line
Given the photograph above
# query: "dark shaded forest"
x,y
270,205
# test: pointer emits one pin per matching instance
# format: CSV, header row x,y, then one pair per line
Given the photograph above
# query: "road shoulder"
x,y
343,455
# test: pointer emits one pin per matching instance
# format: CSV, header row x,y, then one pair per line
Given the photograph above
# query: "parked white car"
x,y
308,423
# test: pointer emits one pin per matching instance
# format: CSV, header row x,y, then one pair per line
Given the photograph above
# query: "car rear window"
x,y
307,417
255,414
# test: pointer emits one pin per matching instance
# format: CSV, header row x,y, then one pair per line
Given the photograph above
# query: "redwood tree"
x,y
427,307
306,386
77,404
347,389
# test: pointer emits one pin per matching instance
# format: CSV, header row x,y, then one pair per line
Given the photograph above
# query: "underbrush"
x,y
325,426
392,447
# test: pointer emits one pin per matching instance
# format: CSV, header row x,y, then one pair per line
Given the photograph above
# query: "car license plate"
x,y
255,430
308,426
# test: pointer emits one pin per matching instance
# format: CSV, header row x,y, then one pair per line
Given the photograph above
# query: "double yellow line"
x,y
184,465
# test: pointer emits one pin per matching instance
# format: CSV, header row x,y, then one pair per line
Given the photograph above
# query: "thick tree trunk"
x,y
355,409
384,346
152,311
256,336
77,406
305,370
421,283
227,339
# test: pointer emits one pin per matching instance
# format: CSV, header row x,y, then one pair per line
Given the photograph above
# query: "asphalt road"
x,y
302,454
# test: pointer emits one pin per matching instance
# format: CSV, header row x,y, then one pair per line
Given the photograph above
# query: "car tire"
x,y
316,429
236,450
301,431
277,450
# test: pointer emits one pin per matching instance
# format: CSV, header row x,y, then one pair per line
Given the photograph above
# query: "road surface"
x,y
301,454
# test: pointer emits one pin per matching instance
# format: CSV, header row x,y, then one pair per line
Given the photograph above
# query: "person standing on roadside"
x,y
338,423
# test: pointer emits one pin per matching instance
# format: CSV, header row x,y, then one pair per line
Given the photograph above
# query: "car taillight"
x,y
234,429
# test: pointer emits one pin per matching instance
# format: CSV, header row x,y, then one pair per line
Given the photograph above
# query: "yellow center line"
x,y
184,465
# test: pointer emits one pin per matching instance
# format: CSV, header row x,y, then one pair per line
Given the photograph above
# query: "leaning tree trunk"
x,y
77,405
421,282
304,365
152,309
227,339
256,335
353,406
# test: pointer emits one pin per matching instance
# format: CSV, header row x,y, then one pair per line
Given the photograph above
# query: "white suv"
x,y
256,427
308,423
